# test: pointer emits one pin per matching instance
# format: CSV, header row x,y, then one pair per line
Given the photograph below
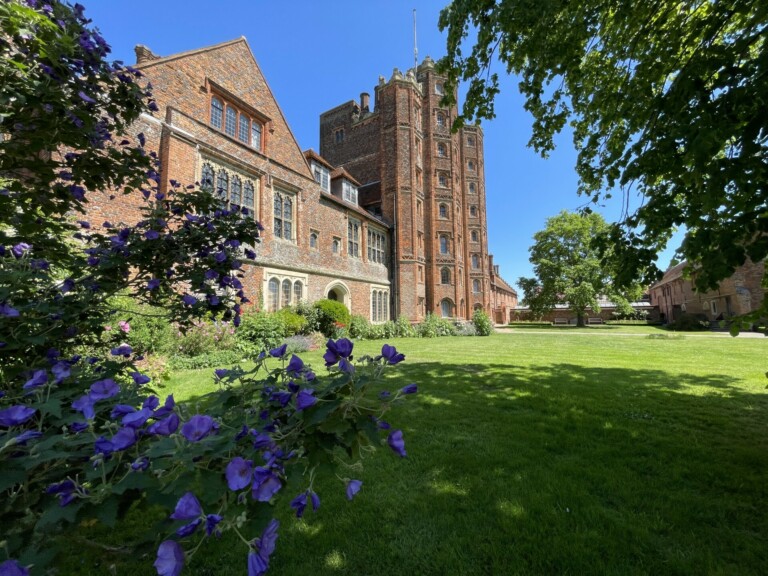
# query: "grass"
x,y
546,453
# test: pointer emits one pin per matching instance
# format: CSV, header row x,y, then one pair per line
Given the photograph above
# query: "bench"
x,y
563,321
595,320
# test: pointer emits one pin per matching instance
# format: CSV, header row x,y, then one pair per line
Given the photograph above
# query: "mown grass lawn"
x,y
553,453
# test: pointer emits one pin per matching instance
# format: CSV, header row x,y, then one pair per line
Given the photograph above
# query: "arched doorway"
x,y
339,292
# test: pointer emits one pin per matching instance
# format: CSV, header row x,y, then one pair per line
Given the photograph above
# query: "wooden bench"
x,y
597,320
563,321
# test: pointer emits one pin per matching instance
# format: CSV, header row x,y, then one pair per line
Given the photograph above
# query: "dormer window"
x,y
349,192
322,176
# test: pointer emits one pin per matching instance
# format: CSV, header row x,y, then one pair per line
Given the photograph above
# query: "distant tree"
x,y
666,99
569,269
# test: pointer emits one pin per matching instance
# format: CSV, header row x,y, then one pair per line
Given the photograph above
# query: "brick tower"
x,y
427,182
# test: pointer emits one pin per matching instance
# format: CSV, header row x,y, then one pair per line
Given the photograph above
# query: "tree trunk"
x,y
580,320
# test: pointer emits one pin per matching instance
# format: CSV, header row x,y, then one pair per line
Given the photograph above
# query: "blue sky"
x,y
317,55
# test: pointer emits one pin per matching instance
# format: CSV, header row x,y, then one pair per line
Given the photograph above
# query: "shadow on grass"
x,y
556,469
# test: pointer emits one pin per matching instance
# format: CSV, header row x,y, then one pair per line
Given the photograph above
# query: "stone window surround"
x,y
280,276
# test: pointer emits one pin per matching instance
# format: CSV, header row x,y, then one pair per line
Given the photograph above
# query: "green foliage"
x,y
331,316
404,328
568,268
482,323
689,323
148,329
434,326
359,327
666,101
466,329
260,331
300,343
310,315
211,359
204,337
293,322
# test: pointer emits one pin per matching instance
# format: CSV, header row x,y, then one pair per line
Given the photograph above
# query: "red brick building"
x,y
390,219
428,182
740,294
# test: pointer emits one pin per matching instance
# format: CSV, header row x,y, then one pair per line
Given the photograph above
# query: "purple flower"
x,y
170,559
353,487
24,437
137,419
341,349
220,256
189,529
198,427
13,568
104,389
396,442
85,98
84,224
262,441
151,235
221,372
123,350
67,286
410,389
8,311
20,249
211,521
189,300
384,394
153,284
282,397
166,426
238,473
77,427
187,508
299,504
278,352
211,275
39,377
265,484
250,254
167,407
121,410
258,560
295,366
140,378
141,464
305,399
64,490
152,402
61,371
16,415
391,354
124,439
315,501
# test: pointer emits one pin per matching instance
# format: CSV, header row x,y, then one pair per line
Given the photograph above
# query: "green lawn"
x,y
547,453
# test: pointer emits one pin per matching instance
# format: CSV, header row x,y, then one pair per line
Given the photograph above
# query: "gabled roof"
x,y
312,155
501,283
342,173
671,274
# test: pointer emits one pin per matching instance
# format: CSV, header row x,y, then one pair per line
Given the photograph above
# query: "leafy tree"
x,y
666,99
568,269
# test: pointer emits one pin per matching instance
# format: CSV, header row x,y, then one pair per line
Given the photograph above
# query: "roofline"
x,y
185,54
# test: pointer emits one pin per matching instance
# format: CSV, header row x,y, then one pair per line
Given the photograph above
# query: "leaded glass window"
x,y
217,111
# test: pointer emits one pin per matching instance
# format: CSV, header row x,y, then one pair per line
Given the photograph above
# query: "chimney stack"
x,y
365,102
144,54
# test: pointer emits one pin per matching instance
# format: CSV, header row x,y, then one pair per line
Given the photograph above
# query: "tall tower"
x,y
427,181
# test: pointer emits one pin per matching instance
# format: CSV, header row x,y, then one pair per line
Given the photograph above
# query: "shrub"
x,y
359,326
482,322
293,322
331,316
260,331
434,327
466,329
404,328
299,343
204,337
213,359
310,315
147,329
689,323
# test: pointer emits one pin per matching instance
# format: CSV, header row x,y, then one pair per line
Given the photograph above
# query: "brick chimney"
x,y
144,54
365,102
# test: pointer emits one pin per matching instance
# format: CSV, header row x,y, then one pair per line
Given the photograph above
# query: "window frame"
x,y
244,124
353,243
285,198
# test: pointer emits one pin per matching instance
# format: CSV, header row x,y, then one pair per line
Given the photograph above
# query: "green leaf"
x,y
55,514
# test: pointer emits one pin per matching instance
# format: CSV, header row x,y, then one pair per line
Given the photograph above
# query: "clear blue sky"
x,y
317,55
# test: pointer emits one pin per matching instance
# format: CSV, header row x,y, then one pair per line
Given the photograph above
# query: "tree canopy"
x,y
666,100
568,269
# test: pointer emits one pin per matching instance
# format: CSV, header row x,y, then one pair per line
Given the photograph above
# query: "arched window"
x,y
217,112
473,210
230,124
286,293
335,245
235,193
443,244
313,240
446,308
472,188
298,292
274,294
445,276
471,165
475,285
206,178
440,119
248,198
475,236
442,150
475,261
222,186
478,306
443,211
